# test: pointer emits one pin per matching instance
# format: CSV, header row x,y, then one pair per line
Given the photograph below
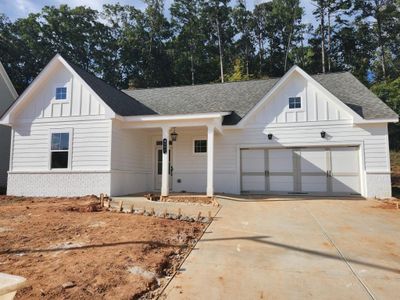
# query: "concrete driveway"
x,y
294,249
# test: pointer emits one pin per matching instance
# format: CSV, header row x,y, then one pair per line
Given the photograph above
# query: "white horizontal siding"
x,y
131,160
191,168
90,145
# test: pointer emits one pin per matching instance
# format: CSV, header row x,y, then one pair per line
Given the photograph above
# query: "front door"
x,y
158,168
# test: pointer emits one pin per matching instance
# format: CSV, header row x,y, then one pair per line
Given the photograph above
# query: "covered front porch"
x,y
164,154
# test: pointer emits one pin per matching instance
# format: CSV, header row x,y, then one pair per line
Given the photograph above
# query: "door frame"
x,y
361,162
155,167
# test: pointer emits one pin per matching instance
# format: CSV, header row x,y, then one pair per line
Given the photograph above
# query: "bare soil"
x,y
393,204
70,248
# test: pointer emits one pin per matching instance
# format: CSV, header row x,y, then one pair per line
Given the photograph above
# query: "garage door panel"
x,y
313,160
253,160
314,184
344,160
346,184
307,170
280,160
281,183
253,183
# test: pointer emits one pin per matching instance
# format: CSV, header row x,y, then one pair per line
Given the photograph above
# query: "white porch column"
x,y
210,161
165,163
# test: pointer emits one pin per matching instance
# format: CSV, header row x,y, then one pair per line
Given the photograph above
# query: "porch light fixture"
x,y
323,134
270,136
174,136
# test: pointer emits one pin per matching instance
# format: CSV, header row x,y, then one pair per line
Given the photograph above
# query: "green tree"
x,y
188,39
238,73
243,22
216,14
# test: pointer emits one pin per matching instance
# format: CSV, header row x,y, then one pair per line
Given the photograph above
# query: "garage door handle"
x,y
266,173
328,173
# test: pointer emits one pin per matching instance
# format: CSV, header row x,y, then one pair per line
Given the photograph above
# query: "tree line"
x,y
205,41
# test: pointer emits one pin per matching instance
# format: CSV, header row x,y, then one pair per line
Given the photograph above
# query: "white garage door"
x,y
329,171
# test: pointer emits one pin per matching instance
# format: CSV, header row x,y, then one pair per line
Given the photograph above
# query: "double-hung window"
x,y
294,102
61,93
60,150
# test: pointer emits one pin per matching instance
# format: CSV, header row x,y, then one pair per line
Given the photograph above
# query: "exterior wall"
x,y
42,104
60,184
7,96
90,145
131,164
90,154
191,169
316,105
372,140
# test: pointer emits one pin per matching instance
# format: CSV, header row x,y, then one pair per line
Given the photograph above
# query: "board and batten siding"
x,y
80,101
315,106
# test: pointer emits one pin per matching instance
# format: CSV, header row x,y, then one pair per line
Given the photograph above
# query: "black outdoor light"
x,y
174,136
270,136
323,134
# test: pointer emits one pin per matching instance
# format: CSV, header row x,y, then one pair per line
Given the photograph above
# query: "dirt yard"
x,y
67,249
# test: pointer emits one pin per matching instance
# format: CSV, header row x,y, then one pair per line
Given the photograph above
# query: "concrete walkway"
x,y
308,249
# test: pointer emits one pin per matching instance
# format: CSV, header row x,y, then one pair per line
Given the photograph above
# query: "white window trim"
x,y
70,131
301,108
66,85
199,138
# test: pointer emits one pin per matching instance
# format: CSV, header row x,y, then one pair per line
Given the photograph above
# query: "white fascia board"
x,y
281,81
179,117
8,82
375,121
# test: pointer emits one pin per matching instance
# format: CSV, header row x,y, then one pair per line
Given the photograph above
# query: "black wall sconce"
x,y
174,136
270,136
323,134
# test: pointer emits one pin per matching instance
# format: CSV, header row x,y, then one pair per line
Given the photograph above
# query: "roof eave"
x,y
175,117
376,121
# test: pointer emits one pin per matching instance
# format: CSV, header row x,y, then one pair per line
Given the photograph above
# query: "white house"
x,y
72,134
7,97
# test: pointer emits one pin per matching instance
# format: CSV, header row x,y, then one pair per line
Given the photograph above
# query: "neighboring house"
x,y
7,97
72,134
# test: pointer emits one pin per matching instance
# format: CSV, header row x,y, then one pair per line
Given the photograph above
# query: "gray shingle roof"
x,y
356,95
236,97
119,102
241,97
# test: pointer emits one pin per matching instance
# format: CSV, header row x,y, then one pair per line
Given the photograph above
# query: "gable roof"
x,y
119,102
7,91
241,97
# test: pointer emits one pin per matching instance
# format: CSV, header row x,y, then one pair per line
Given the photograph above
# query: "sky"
x,y
15,9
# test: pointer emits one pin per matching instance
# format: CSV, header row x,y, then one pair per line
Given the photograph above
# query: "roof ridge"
x,y
222,83
200,84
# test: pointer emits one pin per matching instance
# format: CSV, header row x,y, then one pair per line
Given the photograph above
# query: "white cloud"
x,y
21,8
